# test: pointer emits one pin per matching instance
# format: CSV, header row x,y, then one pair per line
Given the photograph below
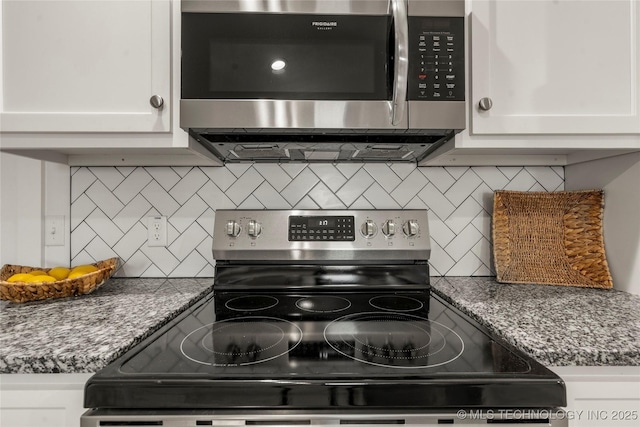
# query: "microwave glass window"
x,y
285,56
263,70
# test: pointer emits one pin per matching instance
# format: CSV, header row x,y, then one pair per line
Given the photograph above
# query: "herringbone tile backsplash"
x,y
110,206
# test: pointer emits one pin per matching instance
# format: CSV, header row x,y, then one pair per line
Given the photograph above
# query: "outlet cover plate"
x,y
54,230
157,231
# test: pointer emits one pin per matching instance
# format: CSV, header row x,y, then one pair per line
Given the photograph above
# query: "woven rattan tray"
x,y
24,292
550,238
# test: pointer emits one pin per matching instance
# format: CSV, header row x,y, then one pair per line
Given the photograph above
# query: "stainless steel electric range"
x,y
322,317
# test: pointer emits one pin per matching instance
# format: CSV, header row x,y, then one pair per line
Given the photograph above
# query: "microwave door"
x,y
301,68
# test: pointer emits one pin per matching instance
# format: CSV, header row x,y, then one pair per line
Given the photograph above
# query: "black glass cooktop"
x,y
323,350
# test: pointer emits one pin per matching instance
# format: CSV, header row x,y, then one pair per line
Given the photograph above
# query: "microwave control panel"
x,y
436,59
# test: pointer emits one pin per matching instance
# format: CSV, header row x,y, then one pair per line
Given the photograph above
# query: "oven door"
x,y
294,64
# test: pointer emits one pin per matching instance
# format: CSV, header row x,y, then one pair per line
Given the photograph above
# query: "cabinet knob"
x,y
485,104
156,101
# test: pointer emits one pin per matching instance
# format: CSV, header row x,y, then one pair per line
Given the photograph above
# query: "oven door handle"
x,y
400,60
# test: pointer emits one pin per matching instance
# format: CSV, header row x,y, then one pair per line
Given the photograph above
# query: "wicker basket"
x,y
550,238
25,292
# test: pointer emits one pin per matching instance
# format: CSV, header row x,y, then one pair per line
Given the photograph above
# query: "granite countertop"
x,y
85,333
558,326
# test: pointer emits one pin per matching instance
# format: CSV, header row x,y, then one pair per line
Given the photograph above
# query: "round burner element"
x,y
241,341
251,303
396,303
323,304
394,340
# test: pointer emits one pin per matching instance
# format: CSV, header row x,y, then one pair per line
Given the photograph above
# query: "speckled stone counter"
x,y
83,334
557,325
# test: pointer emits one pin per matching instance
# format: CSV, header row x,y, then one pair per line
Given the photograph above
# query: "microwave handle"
x,y
400,61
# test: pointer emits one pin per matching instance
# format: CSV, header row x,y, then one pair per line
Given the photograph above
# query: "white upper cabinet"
x,y
85,66
555,66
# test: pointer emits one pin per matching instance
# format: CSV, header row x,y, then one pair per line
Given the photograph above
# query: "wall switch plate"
x,y
54,230
157,231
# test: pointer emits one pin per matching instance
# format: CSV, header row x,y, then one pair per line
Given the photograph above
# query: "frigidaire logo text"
x,y
324,25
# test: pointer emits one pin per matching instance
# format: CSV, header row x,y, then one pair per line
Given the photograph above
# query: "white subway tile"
x,y
104,227
436,201
214,197
166,177
379,198
440,261
300,186
80,238
545,176
523,181
491,176
306,203
132,185
457,171
187,242
510,171
463,215
132,241
187,214
161,201
190,183
464,186
348,169
80,209
104,199
133,212
354,187
383,175
251,202
109,176
439,177
329,174
324,198
80,182
221,177
410,187
244,186
361,203
459,200
270,198
190,266
274,174
463,242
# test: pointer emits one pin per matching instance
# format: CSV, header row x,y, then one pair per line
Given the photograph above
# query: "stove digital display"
x,y
327,228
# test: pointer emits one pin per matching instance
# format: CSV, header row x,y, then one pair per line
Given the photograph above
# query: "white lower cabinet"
x,y
599,396
39,400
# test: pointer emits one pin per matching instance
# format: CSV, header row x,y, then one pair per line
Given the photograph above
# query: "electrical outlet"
x,y
157,231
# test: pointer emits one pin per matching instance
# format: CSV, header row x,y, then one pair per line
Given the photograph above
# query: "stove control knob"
x,y
389,228
411,228
233,228
369,229
254,228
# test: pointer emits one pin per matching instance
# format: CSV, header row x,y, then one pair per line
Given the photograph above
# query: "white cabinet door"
x,y
85,66
600,396
555,66
51,400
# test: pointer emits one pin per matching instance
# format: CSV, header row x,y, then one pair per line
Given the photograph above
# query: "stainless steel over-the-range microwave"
x,y
322,80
